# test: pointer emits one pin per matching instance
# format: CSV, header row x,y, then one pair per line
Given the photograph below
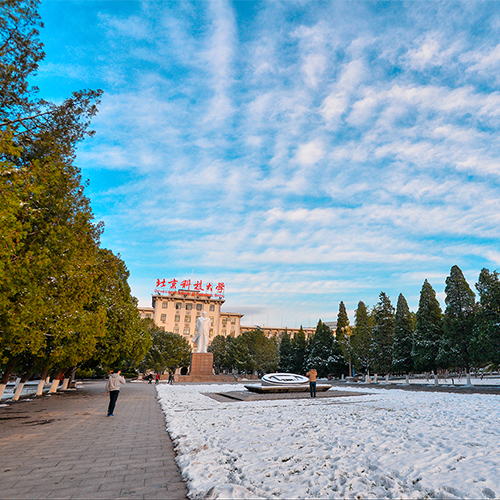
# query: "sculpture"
x,y
203,324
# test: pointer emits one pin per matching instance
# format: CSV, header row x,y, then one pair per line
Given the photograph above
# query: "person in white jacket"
x,y
113,388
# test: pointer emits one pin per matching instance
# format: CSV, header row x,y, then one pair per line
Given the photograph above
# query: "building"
x,y
178,311
273,332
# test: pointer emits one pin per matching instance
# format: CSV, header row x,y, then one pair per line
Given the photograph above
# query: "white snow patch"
x,y
387,444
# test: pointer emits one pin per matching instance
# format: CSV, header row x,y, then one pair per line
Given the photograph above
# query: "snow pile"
x,y
387,444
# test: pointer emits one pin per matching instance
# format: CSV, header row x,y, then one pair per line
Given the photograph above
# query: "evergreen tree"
x,y
487,330
456,349
383,334
402,361
428,330
323,352
361,339
299,345
286,354
343,333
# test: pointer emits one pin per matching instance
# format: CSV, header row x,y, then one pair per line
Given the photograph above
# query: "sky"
x,y
302,152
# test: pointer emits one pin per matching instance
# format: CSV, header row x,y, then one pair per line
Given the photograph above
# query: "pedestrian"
x,y
113,388
157,378
170,378
150,378
312,374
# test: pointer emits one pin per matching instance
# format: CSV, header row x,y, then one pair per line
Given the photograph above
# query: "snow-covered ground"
x,y
387,444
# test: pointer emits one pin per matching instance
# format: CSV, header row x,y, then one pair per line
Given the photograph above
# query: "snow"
x,y
385,444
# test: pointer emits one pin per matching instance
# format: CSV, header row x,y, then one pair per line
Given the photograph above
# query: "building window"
x,y
187,319
211,332
163,318
233,321
164,304
223,332
149,315
176,330
186,330
224,321
178,305
163,328
212,320
177,317
199,307
212,307
189,307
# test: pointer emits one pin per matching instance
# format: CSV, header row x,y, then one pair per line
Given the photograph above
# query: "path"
x,y
63,446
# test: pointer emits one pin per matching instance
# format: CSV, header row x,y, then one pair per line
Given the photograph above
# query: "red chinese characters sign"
x,y
191,287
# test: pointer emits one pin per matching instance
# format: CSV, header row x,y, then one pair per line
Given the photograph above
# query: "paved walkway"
x,y
63,446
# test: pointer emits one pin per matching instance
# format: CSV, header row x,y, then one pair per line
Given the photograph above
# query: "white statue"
x,y
202,332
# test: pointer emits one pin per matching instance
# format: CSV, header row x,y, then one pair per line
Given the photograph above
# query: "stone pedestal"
x,y
202,363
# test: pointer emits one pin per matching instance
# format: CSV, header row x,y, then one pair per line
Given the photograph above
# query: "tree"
x,y
218,348
456,349
169,351
402,361
286,354
20,53
343,334
487,329
383,334
323,352
428,330
361,339
299,345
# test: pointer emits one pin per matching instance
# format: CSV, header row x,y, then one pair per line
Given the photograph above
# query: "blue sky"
x,y
302,152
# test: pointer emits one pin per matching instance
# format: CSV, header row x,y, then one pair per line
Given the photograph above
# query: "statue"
x,y
202,332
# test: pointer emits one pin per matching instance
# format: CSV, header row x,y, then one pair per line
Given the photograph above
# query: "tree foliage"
x,y
323,352
361,339
428,330
457,343
286,354
382,334
402,361
168,351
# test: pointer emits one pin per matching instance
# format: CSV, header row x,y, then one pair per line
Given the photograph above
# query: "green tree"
x,y
428,330
218,347
402,361
361,339
286,354
299,345
169,351
383,334
457,343
323,352
343,333
487,329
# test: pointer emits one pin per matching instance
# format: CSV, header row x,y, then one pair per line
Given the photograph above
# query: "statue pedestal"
x,y
202,363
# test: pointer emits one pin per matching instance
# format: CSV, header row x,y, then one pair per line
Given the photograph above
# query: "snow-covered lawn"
x,y
387,444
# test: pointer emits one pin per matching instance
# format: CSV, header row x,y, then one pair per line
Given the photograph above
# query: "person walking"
x,y
312,374
157,378
170,378
113,388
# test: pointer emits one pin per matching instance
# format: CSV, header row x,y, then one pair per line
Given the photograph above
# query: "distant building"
x,y
178,311
270,331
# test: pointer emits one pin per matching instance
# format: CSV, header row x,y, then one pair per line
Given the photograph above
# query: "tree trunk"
x,y
55,382
41,384
6,377
67,375
20,387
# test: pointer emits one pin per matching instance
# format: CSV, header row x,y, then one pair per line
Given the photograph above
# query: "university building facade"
x,y
178,311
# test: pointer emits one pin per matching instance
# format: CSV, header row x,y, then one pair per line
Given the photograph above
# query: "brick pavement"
x,y
63,446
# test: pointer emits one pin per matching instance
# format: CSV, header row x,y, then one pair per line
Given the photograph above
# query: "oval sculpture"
x,y
284,379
